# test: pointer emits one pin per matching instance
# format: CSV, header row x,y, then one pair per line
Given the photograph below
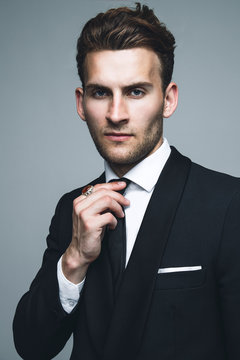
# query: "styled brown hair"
x,y
127,28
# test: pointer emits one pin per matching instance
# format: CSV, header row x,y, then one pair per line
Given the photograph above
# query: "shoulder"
x,y
212,178
202,178
208,187
212,188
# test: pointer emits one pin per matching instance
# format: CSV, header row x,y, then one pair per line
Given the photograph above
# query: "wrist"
x,y
74,267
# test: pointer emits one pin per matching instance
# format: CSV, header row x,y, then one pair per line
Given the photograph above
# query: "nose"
x,y
117,109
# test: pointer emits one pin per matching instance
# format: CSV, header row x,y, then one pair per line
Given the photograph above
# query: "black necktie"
x,y
117,245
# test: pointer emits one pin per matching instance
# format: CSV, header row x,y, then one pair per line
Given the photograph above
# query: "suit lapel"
x,y
132,306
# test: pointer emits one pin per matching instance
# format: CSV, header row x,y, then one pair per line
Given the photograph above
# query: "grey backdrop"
x,y
45,147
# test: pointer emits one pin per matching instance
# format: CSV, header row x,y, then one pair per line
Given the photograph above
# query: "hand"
x,y
91,215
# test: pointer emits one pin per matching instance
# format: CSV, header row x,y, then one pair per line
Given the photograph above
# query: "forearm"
x,y
41,326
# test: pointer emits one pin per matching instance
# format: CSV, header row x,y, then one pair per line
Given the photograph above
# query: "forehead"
x,y
122,66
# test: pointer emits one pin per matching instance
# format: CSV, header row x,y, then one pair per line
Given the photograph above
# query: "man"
x,y
176,292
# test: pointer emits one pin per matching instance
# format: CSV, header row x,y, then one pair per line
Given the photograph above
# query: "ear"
x,y
79,103
170,100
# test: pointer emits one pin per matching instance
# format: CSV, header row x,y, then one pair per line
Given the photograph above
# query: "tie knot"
x,y
127,181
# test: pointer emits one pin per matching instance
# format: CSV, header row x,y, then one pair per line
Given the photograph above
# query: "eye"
x,y
99,93
137,93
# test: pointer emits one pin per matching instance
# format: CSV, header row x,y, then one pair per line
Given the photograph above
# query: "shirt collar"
x,y
146,173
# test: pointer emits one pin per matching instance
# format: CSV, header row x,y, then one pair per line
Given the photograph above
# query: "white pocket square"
x,y
179,269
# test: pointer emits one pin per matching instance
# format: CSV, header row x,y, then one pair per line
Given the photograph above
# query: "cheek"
x,y
95,111
149,107
146,117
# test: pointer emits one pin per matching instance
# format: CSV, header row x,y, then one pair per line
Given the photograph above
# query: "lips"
x,y
115,136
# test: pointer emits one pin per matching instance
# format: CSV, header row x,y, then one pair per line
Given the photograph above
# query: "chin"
x,y
119,160
114,155
125,156
122,159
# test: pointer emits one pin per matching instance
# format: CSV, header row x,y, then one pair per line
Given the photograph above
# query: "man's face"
x,y
123,104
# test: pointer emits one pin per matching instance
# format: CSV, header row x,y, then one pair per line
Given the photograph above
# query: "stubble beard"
x,y
133,156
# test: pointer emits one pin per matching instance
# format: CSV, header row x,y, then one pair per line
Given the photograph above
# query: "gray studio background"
x,y
45,148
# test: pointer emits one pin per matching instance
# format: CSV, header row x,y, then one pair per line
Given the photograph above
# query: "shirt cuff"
x,y
69,292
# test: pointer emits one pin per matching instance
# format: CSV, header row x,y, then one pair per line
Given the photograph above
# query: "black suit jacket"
x,y
193,219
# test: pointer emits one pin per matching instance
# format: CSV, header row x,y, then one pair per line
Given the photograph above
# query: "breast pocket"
x,y
180,279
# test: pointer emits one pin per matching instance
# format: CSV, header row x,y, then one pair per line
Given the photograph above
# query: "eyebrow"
x,y
144,84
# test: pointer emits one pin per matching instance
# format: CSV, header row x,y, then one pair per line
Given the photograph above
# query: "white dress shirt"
x,y
143,180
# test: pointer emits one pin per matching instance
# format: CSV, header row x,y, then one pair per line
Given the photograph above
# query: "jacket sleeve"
x,y
41,327
229,279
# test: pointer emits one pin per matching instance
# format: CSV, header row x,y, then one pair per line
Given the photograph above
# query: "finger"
x,y
100,206
106,219
103,195
114,186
